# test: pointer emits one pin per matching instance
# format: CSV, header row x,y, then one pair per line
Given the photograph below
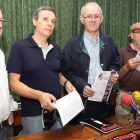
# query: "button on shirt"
x,y
6,101
93,51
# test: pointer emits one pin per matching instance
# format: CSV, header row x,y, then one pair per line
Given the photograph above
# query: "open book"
x,y
101,125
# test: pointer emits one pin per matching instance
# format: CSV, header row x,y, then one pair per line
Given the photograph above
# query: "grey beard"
x,y
137,43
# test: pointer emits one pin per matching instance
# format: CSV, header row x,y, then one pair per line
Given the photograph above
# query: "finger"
x,y
52,98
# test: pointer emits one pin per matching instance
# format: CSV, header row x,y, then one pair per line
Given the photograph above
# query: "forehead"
x,y
91,9
46,13
137,29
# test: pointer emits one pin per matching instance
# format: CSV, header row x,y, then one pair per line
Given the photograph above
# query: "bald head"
x,y
91,4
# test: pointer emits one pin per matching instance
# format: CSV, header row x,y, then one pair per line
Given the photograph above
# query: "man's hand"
x,y
114,78
69,87
11,119
46,100
88,92
132,63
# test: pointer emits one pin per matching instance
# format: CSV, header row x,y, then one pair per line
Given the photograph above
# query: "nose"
x,y
50,22
93,19
0,24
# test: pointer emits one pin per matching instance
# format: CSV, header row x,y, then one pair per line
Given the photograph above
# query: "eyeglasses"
x,y
138,32
3,22
89,17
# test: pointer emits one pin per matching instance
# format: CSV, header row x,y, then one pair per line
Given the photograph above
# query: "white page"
x,y
69,106
102,86
138,58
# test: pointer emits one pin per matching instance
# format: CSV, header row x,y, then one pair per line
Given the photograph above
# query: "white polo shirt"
x,y
6,101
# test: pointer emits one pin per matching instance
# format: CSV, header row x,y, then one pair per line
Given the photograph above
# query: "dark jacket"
x,y
76,59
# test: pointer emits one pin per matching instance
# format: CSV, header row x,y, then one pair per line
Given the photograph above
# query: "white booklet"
x,y
102,86
138,58
69,106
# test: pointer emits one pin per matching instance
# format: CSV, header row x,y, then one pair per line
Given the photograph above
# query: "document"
x,y
69,106
102,86
138,58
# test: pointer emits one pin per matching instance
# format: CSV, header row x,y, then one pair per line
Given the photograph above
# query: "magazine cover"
x,y
132,135
101,125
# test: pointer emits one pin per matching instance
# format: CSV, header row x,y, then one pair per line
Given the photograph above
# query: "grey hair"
x,y
91,3
42,8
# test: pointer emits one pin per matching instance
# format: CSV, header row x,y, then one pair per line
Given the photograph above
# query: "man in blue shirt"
x,y
34,68
86,54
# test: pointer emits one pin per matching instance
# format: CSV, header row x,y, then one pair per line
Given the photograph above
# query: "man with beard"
x,y
86,54
129,77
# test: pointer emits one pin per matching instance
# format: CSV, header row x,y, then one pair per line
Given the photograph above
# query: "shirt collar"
x,y
90,39
33,43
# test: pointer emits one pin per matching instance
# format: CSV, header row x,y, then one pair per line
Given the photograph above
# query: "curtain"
x,y
119,15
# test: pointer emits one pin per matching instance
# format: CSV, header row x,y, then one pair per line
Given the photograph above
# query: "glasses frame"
x,y
90,18
3,21
138,32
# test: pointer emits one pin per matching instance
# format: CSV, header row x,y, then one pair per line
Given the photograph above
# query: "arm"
x,y
69,70
25,91
130,65
66,84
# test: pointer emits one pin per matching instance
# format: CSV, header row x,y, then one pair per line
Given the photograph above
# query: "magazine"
x,y
101,125
131,135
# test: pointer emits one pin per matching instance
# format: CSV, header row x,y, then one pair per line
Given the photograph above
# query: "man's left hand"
x,y
69,87
114,78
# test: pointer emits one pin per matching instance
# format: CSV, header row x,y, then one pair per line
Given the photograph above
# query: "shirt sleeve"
x,y
14,104
15,60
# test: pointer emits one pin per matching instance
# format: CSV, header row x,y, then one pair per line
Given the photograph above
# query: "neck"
x,y
41,40
135,47
94,35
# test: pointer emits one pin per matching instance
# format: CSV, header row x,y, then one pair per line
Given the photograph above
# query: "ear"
x,y
102,19
34,22
81,18
132,36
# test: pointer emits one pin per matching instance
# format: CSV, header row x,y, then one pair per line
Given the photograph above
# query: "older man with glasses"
x,y
86,54
129,76
7,105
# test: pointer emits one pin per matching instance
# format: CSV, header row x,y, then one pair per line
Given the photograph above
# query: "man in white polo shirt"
x,y
7,105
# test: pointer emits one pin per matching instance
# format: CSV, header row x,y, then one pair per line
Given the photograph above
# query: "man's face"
x,y
136,37
93,18
44,26
1,26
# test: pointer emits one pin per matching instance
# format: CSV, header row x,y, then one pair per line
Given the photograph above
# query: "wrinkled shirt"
x,y
6,101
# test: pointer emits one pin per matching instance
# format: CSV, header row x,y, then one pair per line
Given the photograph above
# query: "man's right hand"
x,y
132,63
88,92
46,100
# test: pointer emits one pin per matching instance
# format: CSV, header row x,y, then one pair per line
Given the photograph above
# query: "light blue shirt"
x,y
44,51
93,49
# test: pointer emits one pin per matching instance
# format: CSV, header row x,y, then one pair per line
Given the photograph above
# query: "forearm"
x,y
62,79
123,71
23,90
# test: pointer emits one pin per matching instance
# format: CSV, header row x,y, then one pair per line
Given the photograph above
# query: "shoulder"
x,y
105,37
124,48
75,39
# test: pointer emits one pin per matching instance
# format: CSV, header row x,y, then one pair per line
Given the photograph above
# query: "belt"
x,y
126,91
4,123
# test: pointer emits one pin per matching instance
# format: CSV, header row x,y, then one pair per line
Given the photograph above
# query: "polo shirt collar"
x,y
33,43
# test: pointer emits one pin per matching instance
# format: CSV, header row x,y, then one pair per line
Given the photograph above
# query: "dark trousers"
x,y
6,131
97,110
